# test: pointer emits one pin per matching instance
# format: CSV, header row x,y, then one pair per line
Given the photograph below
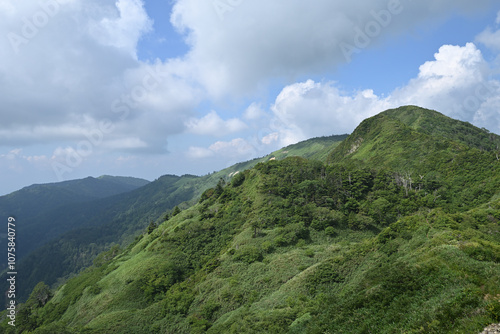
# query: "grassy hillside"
x,y
92,227
412,138
357,245
96,226
434,123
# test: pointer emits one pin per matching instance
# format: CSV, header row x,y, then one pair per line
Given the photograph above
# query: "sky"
x,y
146,88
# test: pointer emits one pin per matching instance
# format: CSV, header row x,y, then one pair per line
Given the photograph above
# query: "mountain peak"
x,y
434,123
397,136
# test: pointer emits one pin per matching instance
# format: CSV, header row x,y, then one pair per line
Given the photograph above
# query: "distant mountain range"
x,y
39,208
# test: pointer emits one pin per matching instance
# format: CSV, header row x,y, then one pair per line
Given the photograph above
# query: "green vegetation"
x,y
398,233
96,226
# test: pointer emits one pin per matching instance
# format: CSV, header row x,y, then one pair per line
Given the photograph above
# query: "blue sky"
x,y
147,88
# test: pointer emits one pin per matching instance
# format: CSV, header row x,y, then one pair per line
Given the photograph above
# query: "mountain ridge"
x,y
30,204
117,219
358,244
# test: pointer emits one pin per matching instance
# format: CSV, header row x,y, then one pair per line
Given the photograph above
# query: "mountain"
x,y
33,208
38,198
93,227
398,232
403,137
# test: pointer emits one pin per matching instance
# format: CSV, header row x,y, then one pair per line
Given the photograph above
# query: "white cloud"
x,y
254,112
212,125
79,69
16,159
199,152
132,143
270,138
249,43
490,38
455,83
238,148
457,77
310,109
13,154
235,147
123,29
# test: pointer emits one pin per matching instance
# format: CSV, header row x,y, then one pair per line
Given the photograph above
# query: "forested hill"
x,y
80,231
38,198
31,205
397,233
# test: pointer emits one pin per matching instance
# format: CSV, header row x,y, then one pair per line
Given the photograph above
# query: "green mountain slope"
x,y
97,225
92,227
403,241
434,123
412,138
314,149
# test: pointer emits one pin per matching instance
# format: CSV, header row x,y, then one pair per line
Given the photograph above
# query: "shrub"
x,y
493,309
309,252
238,180
249,254
94,289
330,231
178,300
155,282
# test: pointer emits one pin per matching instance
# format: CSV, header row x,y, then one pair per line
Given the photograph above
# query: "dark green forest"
x,y
39,207
394,230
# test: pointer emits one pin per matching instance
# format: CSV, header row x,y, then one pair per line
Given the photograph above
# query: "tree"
x,y
238,179
330,231
39,296
219,188
152,226
379,208
176,211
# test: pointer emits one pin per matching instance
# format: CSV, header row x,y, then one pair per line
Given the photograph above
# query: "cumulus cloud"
x,y
211,124
310,109
455,83
123,29
447,82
